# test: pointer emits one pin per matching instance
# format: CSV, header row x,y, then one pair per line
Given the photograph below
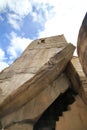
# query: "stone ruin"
x,y
46,87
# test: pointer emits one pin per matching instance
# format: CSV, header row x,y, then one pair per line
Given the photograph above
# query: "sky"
x,y
22,21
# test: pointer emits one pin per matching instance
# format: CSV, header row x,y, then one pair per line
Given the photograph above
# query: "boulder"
x,y
33,82
82,44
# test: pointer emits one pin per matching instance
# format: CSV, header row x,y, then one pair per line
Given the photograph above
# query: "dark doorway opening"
x,y
48,119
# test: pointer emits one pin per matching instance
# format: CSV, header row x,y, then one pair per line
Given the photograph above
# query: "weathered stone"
x,y
20,126
79,80
82,44
34,109
0,126
75,118
33,72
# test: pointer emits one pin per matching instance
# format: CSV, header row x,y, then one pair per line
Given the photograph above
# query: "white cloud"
x,y
41,13
24,7
20,7
3,64
3,5
2,55
1,18
15,20
17,45
66,19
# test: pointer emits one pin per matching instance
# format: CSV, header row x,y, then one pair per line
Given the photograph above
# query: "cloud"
x,y
14,20
17,10
2,55
3,64
20,7
66,19
17,45
25,7
1,18
41,12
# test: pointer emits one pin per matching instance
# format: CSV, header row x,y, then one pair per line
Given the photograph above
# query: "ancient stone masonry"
x,y
41,85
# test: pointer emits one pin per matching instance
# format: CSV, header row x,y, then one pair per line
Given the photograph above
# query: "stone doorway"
x,y
48,119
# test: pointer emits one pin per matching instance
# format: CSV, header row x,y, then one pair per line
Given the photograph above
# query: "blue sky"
x,y
22,21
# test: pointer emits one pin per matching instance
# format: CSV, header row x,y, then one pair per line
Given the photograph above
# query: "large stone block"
x,y
34,109
32,72
77,77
